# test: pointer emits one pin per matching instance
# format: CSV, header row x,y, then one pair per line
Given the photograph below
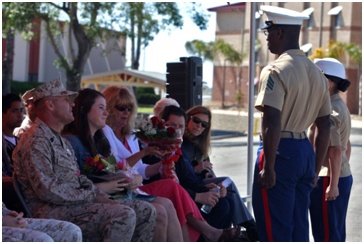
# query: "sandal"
x,y
230,235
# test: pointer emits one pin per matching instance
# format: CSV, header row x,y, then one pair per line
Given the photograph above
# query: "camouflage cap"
x,y
51,89
28,95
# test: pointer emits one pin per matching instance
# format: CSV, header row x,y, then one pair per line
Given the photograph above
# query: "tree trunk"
x,y
84,44
8,62
73,81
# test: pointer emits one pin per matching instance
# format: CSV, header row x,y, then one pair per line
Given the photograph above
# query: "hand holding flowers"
x,y
106,168
154,132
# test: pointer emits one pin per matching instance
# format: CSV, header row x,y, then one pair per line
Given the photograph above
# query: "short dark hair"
x,y
8,99
171,109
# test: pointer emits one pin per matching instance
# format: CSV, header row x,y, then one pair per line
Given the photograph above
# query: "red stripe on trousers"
x,y
325,210
268,224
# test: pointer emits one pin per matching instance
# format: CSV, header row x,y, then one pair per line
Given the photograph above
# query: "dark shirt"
x,y
151,160
192,150
8,148
194,155
187,177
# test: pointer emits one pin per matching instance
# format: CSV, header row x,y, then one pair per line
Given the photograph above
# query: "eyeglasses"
x,y
197,120
123,108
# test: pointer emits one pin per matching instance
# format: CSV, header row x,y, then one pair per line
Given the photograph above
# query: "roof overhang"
x,y
126,77
229,8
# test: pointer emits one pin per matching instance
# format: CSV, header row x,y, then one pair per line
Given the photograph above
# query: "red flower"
x,y
160,125
155,120
90,161
100,166
170,131
121,165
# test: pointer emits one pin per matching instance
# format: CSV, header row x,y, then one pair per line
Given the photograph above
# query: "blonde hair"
x,y
120,96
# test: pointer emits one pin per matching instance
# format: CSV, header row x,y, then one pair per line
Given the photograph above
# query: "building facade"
x,y
35,60
337,21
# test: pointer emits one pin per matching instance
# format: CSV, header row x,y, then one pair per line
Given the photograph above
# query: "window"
x,y
336,14
258,18
306,48
309,22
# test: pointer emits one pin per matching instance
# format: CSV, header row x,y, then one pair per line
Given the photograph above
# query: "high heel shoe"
x,y
230,235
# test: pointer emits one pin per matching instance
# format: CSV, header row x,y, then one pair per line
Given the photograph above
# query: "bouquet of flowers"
x,y
106,168
154,132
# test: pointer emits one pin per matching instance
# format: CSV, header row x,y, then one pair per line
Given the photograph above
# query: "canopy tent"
x,y
126,77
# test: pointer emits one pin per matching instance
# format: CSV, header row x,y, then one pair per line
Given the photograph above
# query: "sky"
x,y
169,47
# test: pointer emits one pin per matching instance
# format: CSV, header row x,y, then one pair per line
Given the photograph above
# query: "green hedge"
x,y
19,87
146,95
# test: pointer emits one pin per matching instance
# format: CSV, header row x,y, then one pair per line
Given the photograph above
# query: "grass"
x,y
142,108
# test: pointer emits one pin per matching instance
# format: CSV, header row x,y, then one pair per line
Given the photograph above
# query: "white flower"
x,y
151,131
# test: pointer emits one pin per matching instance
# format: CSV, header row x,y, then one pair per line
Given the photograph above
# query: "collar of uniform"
x,y
335,97
294,52
48,132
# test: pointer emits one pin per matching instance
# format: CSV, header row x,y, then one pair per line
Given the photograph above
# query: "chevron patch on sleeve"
x,y
270,84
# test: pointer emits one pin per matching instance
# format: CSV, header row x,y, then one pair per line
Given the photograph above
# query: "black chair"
x,y
20,195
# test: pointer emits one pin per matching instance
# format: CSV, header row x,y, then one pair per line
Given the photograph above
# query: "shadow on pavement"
x,y
222,134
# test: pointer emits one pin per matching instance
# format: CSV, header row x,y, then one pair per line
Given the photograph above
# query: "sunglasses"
x,y
197,120
123,108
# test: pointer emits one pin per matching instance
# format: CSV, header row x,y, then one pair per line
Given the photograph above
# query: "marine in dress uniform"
x,y
293,94
50,178
330,199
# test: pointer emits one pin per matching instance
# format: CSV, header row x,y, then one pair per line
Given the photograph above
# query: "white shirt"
x,y
121,153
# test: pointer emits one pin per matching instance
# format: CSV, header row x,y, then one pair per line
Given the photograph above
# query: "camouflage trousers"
x,y
43,230
145,219
110,222
98,221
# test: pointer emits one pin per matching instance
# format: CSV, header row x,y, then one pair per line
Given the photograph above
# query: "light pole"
x,y
223,86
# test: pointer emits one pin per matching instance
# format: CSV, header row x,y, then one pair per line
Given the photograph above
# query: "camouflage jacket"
x,y
48,171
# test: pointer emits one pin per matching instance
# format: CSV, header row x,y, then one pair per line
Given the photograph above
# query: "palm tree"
x,y
209,50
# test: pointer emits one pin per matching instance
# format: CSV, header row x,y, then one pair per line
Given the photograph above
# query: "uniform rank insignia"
x,y
268,86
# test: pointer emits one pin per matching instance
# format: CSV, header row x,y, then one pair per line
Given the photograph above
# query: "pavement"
x,y
230,150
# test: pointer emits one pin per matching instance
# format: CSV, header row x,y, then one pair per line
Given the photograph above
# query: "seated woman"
x,y
196,147
122,109
222,213
18,229
87,139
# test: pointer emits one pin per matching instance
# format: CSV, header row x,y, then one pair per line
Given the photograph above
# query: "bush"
x,y
146,95
19,87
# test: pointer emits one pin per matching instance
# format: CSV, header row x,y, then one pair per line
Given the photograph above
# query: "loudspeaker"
x,y
184,81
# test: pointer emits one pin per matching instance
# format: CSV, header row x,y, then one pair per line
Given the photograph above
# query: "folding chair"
x,y
20,195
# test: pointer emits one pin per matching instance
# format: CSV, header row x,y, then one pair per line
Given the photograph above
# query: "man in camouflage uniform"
x,y
16,228
50,178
